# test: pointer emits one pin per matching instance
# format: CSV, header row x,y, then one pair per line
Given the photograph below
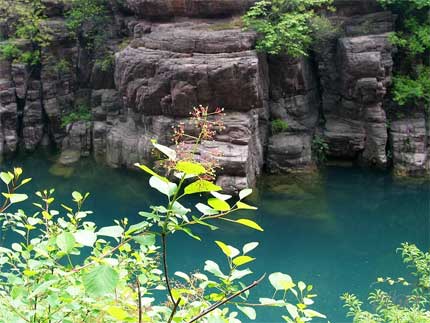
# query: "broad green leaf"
x,y
239,274
301,285
271,302
248,311
201,186
249,247
65,241
166,188
281,281
25,181
101,280
244,206
206,210
15,198
292,310
220,196
137,227
85,237
249,223
214,269
219,205
182,275
6,177
312,313
170,153
117,313
77,197
245,193
225,249
114,231
242,260
148,239
151,172
190,168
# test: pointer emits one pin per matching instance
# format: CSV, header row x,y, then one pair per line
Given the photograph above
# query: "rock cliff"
x,y
171,55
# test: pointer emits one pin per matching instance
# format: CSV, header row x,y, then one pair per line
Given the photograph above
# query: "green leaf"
x,y
117,313
292,310
281,281
77,197
66,242
183,275
114,231
220,196
248,311
166,188
312,313
249,223
190,233
242,260
239,274
146,239
272,302
301,285
6,177
170,153
206,210
101,280
85,237
213,268
198,221
219,205
249,247
151,172
190,168
245,193
225,249
201,186
15,198
244,206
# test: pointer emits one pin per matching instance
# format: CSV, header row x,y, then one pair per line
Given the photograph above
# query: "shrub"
x,y
284,26
279,125
106,62
10,51
124,265
414,308
319,149
407,89
81,113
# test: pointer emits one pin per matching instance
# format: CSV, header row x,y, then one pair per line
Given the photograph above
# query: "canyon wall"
x,y
171,55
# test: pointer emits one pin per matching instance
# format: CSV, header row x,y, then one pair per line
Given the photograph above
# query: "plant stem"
x,y
175,308
229,298
166,273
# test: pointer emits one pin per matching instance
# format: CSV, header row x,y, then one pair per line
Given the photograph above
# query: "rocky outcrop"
x,y
177,54
187,8
410,145
294,99
355,73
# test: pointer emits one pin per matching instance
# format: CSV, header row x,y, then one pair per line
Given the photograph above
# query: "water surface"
x,y
338,231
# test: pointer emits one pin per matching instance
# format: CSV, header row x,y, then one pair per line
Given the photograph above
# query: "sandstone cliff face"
x,y
182,53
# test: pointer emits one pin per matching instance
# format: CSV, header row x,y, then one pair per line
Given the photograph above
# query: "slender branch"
x,y
166,273
229,298
139,300
175,308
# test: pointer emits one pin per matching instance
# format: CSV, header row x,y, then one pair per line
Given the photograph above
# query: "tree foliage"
x,y
63,268
412,84
284,26
412,308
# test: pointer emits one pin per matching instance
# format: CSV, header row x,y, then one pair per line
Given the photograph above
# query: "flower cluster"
x,y
192,140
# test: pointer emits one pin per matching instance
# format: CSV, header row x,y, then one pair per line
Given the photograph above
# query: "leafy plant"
x,y
411,85
123,266
284,26
28,24
10,51
278,126
319,149
81,113
413,308
106,62
63,67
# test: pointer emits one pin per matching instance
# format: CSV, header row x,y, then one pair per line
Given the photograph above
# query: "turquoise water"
x,y
338,231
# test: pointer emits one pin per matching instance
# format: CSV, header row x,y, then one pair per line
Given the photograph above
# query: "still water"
x,y
338,231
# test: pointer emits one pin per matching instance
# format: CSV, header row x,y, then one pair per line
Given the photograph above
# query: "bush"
x,y
124,265
407,89
10,51
278,126
81,113
284,26
319,149
414,308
